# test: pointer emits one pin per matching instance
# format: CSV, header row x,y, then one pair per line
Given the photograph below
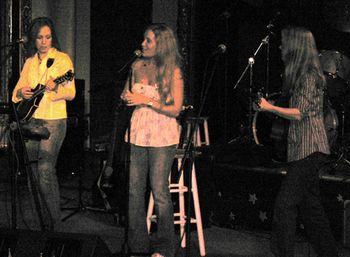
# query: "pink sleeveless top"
x,y
148,127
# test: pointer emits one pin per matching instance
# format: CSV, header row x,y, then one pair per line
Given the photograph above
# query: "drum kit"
x,y
336,67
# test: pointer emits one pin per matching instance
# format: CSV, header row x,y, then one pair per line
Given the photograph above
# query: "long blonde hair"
x,y
300,58
167,58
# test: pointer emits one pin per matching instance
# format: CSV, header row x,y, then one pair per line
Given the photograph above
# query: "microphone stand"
x,y
251,61
137,54
125,251
32,180
189,155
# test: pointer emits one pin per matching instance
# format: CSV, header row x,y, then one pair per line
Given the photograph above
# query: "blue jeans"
x,y
43,155
157,162
300,191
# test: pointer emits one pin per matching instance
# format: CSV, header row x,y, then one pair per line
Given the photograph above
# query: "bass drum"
x,y
331,124
271,131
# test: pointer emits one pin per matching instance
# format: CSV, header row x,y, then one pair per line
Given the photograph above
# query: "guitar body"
x,y
271,130
278,136
27,107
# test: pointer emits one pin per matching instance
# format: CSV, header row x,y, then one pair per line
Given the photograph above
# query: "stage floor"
x,y
221,241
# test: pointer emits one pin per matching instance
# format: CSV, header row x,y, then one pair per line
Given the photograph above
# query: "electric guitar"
x,y
27,107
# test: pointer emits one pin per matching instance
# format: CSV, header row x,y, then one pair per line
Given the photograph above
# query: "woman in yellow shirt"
x,y
51,112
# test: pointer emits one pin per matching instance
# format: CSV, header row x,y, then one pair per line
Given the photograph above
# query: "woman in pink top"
x,y
157,94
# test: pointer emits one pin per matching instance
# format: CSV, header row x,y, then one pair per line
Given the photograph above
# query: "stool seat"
x,y
201,130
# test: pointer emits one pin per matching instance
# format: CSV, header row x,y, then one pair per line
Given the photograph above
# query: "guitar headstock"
x,y
68,76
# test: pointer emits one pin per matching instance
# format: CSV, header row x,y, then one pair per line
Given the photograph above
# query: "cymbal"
x,y
337,14
335,63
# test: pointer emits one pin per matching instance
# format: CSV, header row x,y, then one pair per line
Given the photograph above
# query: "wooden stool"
x,y
202,130
180,217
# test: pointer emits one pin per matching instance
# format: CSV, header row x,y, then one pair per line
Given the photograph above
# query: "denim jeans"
x,y
157,162
300,190
43,155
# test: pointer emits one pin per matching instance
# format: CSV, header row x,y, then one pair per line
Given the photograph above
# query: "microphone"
x,y
272,22
220,49
137,53
21,40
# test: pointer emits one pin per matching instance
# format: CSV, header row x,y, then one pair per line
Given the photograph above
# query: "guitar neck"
x,y
68,76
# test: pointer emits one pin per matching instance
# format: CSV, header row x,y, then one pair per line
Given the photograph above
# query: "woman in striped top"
x,y
307,149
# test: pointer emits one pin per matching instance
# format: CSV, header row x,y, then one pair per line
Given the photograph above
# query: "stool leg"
x,y
197,211
198,141
182,208
150,212
206,132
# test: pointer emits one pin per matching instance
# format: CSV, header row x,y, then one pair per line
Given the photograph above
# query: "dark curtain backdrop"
x,y
241,25
116,31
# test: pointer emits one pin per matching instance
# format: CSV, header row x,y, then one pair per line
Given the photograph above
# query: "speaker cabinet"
x,y
26,243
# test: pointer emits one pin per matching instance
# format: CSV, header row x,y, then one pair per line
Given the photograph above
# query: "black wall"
x,y
241,25
116,31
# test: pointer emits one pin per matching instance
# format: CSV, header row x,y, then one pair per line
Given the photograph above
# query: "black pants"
x,y
300,189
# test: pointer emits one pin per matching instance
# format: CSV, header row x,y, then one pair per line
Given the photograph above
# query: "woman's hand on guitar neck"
x,y
265,105
25,92
51,85
287,113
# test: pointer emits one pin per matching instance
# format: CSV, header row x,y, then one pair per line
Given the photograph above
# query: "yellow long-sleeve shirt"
x,y
34,72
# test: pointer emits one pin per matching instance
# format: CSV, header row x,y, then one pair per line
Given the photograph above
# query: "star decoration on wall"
x,y
252,198
232,216
340,198
211,217
262,216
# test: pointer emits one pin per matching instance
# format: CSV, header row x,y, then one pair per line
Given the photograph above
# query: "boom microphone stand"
x,y
251,61
188,156
32,180
125,251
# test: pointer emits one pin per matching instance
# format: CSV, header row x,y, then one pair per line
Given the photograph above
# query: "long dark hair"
x,y
301,58
34,28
